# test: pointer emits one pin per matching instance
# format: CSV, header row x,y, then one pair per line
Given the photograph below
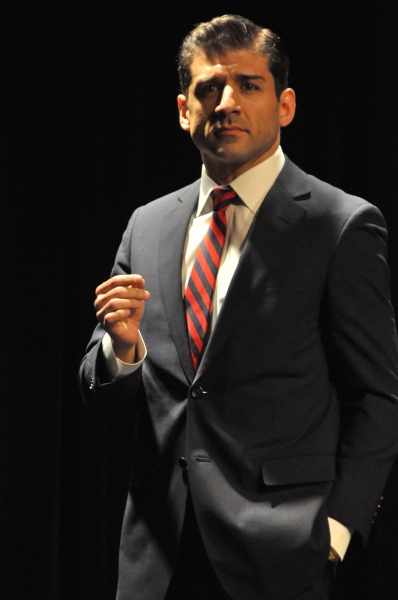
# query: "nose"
x,y
228,101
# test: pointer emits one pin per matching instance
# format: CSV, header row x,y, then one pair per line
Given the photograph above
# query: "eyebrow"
x,y
244,77
241,77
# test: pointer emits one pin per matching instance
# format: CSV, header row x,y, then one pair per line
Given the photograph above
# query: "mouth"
x,y
228,130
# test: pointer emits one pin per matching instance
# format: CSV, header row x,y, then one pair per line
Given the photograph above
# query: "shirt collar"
x,y
251,187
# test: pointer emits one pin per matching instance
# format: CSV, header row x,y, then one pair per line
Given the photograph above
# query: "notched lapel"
x,y
174,230
266,248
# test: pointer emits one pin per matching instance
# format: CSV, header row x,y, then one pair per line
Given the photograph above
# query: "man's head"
x,y
232,32
235,97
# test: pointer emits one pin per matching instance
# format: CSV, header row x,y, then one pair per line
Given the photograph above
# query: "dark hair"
x,y
228,33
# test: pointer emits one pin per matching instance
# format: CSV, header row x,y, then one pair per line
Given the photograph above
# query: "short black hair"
x,y
228,33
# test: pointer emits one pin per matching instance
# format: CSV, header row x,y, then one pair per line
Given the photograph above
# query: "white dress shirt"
x,y
252,188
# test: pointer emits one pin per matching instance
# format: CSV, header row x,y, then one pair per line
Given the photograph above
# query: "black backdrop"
x,y
88,132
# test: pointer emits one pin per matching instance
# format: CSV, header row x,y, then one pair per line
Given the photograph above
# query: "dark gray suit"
x,y
292,416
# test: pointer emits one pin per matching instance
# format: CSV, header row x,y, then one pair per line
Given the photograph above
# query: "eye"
x,y
249,87
210,88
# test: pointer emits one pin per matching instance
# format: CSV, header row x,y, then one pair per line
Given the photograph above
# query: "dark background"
x,y
89,131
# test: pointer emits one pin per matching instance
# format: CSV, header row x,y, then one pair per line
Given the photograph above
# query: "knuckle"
x,y
120,290
112,305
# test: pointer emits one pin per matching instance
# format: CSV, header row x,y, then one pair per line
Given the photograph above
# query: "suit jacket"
x,y
292,415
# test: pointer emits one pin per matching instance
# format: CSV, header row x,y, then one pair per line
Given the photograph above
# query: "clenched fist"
x,y
120,306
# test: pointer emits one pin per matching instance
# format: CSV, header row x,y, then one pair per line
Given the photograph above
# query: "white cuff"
x,y
340,537
116,367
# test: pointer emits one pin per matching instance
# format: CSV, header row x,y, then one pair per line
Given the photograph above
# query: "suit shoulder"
x,y
335,197
164,203
324,198
328,207
321,194
341,208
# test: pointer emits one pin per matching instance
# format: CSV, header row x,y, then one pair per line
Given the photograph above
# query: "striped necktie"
x,y
202,281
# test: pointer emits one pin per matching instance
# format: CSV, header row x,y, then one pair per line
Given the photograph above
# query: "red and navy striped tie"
x,y
202,281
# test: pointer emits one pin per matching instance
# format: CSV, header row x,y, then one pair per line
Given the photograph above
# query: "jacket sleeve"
x,y
94,380
361,345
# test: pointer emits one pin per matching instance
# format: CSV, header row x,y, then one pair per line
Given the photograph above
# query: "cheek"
x,y
266,127
198,124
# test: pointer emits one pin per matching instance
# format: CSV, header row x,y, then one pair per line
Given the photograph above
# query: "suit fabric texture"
x,y
292,415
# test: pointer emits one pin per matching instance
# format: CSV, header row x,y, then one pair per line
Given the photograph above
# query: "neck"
x,y
223,173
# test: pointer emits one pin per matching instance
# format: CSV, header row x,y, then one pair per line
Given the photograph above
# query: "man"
x,y
251,330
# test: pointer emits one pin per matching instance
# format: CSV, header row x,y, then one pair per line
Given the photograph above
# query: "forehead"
x,y
237,62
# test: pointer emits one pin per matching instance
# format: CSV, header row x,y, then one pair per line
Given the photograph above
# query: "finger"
x,y
133,280
129,293
130,304
114,317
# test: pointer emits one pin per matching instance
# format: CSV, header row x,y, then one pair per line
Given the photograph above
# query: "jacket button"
x,y
196,392
183,463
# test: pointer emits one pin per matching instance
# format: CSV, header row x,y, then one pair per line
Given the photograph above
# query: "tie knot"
x,y
222,197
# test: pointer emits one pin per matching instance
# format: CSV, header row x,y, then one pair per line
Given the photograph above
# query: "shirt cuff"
x,y
340,537
116,367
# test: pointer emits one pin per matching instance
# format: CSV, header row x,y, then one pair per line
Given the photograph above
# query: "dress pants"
x,y
194,577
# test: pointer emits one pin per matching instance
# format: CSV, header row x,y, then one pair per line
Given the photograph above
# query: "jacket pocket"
x,y
291,470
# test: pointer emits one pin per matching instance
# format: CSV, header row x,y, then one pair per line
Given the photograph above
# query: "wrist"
x,y
124,352
333,555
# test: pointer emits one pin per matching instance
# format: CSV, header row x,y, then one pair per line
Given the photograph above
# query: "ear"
x,y
184,112
287,107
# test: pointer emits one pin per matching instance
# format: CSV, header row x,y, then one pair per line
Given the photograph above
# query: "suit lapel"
x,y
174,230
265,249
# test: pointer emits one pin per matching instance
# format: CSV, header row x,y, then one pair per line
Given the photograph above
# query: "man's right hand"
x,y
120,306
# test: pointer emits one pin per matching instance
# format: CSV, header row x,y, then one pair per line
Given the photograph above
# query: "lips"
x,y
231,129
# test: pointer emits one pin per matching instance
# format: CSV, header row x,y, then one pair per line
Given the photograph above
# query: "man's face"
x,y
232,112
